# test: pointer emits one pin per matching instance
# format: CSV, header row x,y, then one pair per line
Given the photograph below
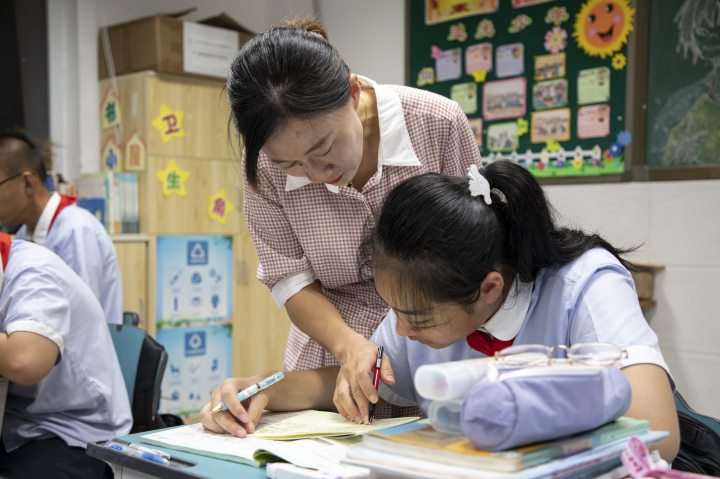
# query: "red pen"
x,y
376,379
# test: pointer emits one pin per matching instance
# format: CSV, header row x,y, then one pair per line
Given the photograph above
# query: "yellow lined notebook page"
x,y
308,424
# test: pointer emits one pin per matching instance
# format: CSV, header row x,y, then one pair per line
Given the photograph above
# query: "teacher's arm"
x,y
285,268
312,312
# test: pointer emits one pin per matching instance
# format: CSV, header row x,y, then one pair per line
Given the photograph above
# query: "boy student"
x,y
471,266
66,388
54,221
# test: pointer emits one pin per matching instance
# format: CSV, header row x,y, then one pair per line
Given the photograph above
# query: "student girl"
x,y
322,148
54,221
469,267
66,388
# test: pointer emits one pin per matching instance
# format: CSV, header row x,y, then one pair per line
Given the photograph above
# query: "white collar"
x,y
395,147
507,321
42,228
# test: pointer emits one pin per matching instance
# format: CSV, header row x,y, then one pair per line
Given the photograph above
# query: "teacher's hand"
x,y
240,418
354,388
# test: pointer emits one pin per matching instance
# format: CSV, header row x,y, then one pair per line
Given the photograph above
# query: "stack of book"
x,y
417,450
113,198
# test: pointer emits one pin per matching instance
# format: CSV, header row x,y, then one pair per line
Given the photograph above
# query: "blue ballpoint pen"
x,y
139,453
252,390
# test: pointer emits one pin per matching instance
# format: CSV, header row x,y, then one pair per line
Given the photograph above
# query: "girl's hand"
x,y
354,388
240,419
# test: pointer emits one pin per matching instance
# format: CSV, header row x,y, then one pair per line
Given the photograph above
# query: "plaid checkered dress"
x,y
316,231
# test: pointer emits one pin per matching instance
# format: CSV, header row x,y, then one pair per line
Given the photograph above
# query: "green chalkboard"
x,y
683,128
573,110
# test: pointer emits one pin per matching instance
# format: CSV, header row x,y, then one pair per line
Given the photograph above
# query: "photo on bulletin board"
x,y
552,83
198,360
194,280
683,101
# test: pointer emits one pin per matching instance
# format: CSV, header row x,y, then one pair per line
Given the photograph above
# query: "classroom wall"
x,y
677,223
73,31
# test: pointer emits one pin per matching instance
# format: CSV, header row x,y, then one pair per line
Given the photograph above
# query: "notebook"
x,y
298,438
315,453
308,424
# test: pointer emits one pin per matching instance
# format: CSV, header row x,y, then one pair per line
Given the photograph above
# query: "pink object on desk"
x,y
636,459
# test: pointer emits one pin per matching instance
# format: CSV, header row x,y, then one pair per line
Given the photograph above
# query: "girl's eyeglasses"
x,y
588,354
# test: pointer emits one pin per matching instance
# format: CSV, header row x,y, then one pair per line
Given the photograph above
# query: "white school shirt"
x,y
82,242
591,299
83,398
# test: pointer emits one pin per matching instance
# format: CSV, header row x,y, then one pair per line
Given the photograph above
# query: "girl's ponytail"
x,y
442,239
533,241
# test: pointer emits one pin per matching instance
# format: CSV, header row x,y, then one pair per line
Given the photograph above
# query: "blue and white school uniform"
x,y
83,398
81,241
591,299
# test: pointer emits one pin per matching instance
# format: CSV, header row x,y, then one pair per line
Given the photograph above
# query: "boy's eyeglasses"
x,y
10,178
588,354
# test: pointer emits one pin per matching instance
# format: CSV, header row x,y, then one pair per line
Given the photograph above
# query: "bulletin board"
x,y
543,82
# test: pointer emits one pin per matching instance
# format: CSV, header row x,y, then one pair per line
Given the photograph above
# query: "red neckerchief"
x,y
487,344
5,243
65,201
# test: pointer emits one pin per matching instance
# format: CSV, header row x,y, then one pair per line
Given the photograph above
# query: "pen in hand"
x,y
376,380
250,391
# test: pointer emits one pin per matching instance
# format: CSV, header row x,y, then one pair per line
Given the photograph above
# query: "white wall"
x,y
369,34
73,31
677,223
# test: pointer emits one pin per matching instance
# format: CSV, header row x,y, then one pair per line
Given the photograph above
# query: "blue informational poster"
x,y
194,280
199,359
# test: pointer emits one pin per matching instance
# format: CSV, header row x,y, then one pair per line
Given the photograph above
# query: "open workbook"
x,y
298,438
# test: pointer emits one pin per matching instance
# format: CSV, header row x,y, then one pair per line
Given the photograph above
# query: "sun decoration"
x,y
602,27
619,61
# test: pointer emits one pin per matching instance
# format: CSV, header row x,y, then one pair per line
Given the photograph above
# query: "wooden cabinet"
x,y
261,327
132,253
184,122
188,214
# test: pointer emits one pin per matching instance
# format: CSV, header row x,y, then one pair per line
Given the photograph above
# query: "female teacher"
x,y
322,148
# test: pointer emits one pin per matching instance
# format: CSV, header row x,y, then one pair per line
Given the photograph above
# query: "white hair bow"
x,y
480,186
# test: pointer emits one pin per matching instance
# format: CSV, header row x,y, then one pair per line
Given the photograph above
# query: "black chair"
x,y
142,361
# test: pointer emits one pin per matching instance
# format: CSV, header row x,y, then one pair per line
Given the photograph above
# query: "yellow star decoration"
x,y
619,61
479,75
169,123
552,146
220,207
522,126
173,179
